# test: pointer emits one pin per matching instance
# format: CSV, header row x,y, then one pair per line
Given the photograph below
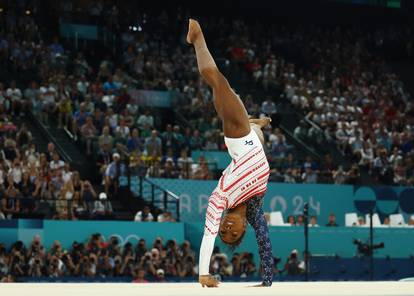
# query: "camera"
x,y
364,249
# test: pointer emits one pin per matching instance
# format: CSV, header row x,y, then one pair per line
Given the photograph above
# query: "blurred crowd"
x,y
356,102
99,258
34,183
339,82
342,85
156,261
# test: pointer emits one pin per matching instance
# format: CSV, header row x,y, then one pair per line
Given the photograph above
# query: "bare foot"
x,y
194,30
262,122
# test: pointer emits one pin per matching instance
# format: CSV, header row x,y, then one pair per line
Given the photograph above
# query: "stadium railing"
x,y
150,192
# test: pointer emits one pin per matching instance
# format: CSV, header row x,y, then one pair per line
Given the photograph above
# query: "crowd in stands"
x,y
35,183
160,261
32,182
360,106
341,83
336,83
98,258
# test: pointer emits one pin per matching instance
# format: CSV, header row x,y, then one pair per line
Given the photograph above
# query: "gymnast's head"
x,y
233,226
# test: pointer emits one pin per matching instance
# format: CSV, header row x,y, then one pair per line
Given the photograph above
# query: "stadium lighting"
x,y
135,28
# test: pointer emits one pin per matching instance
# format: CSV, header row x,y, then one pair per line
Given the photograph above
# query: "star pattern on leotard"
x,y
256,219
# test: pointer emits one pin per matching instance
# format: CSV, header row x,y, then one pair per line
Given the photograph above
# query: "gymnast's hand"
x,y
208,280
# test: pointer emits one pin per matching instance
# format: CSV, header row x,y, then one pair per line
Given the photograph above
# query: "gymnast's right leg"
x,y
227,103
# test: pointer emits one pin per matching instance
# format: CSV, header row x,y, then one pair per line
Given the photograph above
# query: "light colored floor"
x,y
225,289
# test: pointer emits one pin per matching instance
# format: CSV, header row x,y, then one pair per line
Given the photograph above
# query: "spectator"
x,y
339,176
102,208
106,138
361,221
196,141
135,143
56,163
291,220
88,195
88,132
145,119
299,220
153,146
79,118
144,215
268,107
64,107
169,171
293,265
160,276
122,128
51,149
201,171
184,164
15,95
139,276
309,176
113,171
165,217
313,222
332,221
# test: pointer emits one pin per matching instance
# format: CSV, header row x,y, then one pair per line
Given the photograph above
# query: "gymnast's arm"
x,y
213,217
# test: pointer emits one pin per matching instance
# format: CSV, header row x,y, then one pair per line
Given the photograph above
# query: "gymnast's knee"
x,y
214,77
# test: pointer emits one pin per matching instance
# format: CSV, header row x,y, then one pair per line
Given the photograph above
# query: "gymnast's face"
x,y
232,228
